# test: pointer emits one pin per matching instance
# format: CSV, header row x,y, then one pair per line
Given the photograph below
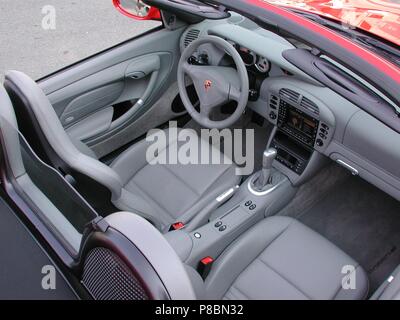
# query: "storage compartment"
x,y
291,153
373,141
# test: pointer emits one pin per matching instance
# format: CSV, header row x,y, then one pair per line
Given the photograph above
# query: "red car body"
x,y
378,17
381,64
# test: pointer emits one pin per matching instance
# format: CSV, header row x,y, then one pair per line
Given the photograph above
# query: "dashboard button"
x,y
324,126
218,224
223,228
320,143
252,207
248,203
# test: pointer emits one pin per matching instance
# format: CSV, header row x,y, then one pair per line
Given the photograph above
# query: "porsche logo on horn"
x,y
207,85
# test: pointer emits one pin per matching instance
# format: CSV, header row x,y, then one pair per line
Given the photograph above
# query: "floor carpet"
x,y
364,222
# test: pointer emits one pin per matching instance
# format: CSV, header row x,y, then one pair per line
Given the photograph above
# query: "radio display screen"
x,y
301,122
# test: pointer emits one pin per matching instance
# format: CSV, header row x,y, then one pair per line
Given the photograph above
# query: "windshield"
x,y
380,18
377,30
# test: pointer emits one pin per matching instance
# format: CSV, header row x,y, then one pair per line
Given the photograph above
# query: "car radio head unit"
x,y
297,124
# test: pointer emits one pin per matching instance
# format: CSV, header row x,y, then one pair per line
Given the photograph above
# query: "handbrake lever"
x,y
202,217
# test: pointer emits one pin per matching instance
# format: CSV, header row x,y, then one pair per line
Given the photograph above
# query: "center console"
x,y
302,127
297,124
229,221
291,154
295,138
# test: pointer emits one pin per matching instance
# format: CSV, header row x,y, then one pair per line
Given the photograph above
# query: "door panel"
x,y
90,102
101,97
94,125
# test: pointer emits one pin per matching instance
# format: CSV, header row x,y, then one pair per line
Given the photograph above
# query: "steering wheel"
x,y
215,85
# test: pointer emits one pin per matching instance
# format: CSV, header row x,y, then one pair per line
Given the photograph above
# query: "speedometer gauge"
x,y
249,57
263,65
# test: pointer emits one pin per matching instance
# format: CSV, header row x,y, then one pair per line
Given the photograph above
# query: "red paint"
x,y
154,13
367,15
375,60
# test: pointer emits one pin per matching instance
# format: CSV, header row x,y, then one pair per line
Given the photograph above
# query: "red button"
x,y
178,225
207,260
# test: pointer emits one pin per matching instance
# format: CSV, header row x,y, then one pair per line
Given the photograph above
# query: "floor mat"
x,y
364,222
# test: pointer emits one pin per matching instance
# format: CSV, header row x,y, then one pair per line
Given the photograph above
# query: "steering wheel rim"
x,y
214,85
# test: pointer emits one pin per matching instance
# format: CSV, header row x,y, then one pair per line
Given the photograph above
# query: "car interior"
x,y
324,193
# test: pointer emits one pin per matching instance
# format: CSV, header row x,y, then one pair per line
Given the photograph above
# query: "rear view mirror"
x,y
137,9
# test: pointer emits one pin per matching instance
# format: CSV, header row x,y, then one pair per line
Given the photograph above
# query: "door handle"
x,y
136,75
138,69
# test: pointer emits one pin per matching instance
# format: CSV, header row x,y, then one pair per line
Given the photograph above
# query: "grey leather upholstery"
x,y
280,258
82,147
163,194
12,154
167,193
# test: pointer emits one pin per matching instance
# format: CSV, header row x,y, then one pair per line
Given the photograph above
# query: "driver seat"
x,y
162,193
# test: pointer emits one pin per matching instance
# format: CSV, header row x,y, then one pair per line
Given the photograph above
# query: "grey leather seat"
x,y
280,258
169,192
163,194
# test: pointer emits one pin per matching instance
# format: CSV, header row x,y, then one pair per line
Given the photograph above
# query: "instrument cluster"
x,y
250,58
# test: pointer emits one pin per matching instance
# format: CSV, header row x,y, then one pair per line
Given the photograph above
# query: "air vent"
x,y
191,35
309,105
289,95
273,102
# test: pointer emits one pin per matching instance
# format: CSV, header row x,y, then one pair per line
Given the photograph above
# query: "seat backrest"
x,y
53,143
124,257
121,256
20,178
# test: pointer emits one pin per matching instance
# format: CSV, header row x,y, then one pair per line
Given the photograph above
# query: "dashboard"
x,y
311,122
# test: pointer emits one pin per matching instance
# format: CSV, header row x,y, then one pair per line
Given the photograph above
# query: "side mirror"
x,y
137,9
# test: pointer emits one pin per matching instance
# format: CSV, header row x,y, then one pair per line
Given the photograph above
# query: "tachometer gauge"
x,y
263,65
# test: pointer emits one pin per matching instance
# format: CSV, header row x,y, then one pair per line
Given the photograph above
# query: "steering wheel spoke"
x,y
188,69
234,93
205,110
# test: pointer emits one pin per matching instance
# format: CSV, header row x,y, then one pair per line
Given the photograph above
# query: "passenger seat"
x,y
280,258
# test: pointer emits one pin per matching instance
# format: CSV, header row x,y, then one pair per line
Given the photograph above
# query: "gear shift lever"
x,y
269,156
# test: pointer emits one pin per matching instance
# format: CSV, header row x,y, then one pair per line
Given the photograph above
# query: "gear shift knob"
x,y
269,156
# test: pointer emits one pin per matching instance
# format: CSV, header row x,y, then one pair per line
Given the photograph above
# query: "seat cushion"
x,y
168,193
280,258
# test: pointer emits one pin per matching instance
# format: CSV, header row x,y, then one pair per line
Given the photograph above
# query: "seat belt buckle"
x,y
177,226
205,266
